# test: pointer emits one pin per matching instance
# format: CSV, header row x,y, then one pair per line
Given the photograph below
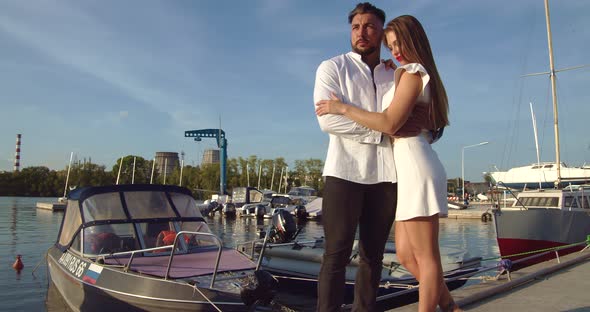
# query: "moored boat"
x,y
545,223
541,175
296,265
541,220
147,248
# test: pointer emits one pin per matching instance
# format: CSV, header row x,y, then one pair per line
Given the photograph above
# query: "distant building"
x,y
210,156
477,187
167,161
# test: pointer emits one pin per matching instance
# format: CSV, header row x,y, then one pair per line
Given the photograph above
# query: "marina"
x,y
29,231
471,234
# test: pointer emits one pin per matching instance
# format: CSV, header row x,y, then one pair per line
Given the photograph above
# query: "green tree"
x,y
141,175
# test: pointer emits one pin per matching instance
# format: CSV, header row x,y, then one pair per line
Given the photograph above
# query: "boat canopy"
x,y
302,191
119,204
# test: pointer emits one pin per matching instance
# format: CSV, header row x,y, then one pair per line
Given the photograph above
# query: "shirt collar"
x,y
359,58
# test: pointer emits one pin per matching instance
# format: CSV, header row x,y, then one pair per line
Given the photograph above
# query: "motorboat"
x,y
296,265
541,220
148,248
268,208
304,193
314,209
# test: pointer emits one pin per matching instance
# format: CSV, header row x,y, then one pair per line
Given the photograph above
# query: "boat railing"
x,y
217,240
500,183
132,253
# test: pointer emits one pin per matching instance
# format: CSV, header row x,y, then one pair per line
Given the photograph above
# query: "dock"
x,y
51,206
549,286
473,211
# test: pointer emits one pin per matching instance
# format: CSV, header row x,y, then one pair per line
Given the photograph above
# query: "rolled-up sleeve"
x,y
327,82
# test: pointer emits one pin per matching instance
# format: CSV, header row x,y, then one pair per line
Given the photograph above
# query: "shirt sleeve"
x,y
326,83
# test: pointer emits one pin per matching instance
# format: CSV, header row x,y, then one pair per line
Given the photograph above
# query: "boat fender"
x,y
486,216
259,288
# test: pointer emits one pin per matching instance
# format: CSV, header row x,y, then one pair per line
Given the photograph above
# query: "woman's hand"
x,y
331,106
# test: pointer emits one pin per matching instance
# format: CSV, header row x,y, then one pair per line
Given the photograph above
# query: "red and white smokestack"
x,y
17,154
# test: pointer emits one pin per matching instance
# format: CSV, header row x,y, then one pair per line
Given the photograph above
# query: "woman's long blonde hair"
x,y
415,48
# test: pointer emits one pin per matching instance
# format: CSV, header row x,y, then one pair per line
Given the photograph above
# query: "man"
x,y
359,171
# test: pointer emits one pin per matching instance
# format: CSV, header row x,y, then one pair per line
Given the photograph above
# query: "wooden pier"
x,y
549,286
56,206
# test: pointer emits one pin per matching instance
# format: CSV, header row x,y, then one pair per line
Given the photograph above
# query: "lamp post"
x,y
463,166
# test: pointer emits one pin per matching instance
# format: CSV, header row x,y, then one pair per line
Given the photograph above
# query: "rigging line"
x,y
564,126
202,294
511,139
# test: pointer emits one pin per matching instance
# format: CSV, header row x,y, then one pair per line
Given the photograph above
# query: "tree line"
x,y
202,181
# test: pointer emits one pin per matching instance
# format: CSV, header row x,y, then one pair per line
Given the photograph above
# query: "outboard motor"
x,y
283,228
260,288
300,212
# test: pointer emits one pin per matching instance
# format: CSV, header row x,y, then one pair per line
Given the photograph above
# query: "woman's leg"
x,y
422,233
403,250
406,257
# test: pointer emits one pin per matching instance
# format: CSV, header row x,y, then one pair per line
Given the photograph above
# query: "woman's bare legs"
x,y
423,233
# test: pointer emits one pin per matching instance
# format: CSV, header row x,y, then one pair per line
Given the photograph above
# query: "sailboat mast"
x,y
554,94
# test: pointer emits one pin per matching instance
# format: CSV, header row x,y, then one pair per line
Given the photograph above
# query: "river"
x,y
30,232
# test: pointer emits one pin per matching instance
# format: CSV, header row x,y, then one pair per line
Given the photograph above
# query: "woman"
x,y
418,94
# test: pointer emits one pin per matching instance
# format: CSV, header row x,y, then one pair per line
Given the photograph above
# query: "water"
x,y
30,232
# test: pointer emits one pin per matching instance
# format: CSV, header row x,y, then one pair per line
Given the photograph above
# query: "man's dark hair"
x,y
364,8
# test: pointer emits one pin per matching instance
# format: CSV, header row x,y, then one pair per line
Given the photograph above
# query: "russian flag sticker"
x,y
92,274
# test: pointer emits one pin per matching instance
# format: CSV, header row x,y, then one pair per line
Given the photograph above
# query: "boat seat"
x,y
105,242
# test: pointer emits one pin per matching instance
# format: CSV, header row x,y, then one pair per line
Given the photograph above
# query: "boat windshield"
x,y
124,218
302,191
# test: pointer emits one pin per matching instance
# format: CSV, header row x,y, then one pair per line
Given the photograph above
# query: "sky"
x,y
105,79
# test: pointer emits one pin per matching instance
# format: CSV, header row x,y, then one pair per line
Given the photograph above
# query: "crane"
x,y
219,135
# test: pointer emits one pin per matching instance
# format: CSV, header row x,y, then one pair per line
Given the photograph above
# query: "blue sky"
x,y
105,79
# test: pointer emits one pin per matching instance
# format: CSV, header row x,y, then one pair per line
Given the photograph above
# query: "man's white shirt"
x,y
355,153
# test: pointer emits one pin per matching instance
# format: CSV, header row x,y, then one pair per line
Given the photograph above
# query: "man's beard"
x,y
363,51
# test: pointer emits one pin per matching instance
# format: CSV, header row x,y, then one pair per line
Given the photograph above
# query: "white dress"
x,y
421,177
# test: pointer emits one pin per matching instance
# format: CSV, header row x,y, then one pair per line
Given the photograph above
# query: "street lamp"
x,y
463,166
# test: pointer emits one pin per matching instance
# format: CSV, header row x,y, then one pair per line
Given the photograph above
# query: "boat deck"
x,y
547,286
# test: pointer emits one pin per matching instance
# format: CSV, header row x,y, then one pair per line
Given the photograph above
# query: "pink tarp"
x,y
186,265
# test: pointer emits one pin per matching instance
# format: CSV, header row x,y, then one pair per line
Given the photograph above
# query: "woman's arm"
x,y
392,119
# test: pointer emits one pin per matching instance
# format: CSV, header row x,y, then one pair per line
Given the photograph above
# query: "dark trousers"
x,y
346,205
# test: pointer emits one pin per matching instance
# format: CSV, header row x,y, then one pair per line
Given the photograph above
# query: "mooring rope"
x,y
202,294
587,241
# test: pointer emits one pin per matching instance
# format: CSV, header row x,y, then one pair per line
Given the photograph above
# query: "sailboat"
x,y
543,219
540,174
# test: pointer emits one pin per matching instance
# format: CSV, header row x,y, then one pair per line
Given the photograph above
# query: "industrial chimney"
x,y
17,154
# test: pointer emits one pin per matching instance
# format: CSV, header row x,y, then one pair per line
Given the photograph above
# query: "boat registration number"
x,y
73,264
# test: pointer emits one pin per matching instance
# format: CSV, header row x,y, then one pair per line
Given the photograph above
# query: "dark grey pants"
x,y
347,205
